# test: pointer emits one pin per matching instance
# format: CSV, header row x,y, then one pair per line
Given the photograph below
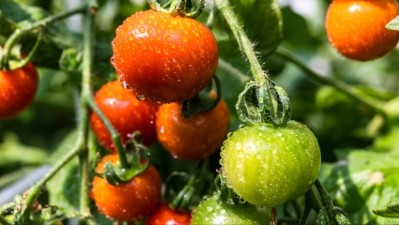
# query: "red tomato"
x,y
126,113
164,215
193,138
17,90
130,201
163,57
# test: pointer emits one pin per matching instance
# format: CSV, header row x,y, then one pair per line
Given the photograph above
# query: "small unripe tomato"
x,y
268,165
17,90
356,28
162,57
193,138
125,112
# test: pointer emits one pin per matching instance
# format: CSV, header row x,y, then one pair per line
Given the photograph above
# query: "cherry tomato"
x,y
268,165
192,138
129,201
212,211
163,215
163,57
126,113
17,90
356,28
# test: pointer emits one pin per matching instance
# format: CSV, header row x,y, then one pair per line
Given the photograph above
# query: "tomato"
x,y
129,201
163,57
356,28
212,211
268,165
17,90
163,215
126,113
192,138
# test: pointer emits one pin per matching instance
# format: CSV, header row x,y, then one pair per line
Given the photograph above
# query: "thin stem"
x,y
307,209
326,203
14,38
273,216
243,41
3,221
355,94
32,52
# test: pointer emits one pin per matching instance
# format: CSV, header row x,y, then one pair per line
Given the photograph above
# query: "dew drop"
x,y
140,97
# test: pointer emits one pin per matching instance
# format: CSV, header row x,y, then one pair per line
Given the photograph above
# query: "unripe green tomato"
x,y
213,211
268,165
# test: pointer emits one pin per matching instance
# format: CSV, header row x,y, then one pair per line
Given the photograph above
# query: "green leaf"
x,y
393,24
262,21
391,210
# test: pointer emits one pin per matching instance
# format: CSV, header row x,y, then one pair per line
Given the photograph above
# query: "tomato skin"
x,y
126,113
163,215
268,165
213,211
356,28
17,90
130,201
192,138
163,57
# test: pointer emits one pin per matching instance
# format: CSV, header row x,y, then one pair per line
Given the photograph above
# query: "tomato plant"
x,y
126,113
163,57
357,28
188,138
163,214
130,201
17,90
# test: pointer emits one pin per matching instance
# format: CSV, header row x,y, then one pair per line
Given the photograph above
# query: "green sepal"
x,y
391,210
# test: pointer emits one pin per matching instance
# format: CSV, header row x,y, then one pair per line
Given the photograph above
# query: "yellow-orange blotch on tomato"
x,y
192,138
356,28
130,201
162,57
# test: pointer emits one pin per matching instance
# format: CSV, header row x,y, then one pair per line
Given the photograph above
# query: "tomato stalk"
x,y
18,33
185,8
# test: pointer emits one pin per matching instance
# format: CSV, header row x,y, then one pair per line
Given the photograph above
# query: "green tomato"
x,y
268,165
212,211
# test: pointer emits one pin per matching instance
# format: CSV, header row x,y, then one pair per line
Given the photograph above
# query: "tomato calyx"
x,y
137,162
226,194
185,8
264,103
204,101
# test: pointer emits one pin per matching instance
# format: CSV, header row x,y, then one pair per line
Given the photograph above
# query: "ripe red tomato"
x,y
356,28
17,90
192,138
126,113
130,201
163,215
163,57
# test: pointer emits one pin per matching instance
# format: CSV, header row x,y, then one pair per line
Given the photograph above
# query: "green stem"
x,y
307,209
14,38
326,203
243,41
3,221
355,94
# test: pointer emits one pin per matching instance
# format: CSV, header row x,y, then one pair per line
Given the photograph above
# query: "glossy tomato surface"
x,y
164,215
130,201
212,211
268,165
163,57
126,113
195,137
356,28
17,90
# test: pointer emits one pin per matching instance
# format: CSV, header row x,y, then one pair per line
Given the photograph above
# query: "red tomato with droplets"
x,y
356,28
162,57
164,215
17,90
130,201
192,138
126,113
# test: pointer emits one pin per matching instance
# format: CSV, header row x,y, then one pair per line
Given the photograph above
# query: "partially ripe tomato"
x,y
356,28
212,211
164,215
126,113
163,57
17,90
268,165
195,137
129,201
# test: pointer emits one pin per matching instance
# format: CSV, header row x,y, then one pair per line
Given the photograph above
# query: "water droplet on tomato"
x,y
140,97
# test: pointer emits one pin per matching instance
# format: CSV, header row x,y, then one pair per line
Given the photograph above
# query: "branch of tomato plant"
x,y
369,101
325,203
18,33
